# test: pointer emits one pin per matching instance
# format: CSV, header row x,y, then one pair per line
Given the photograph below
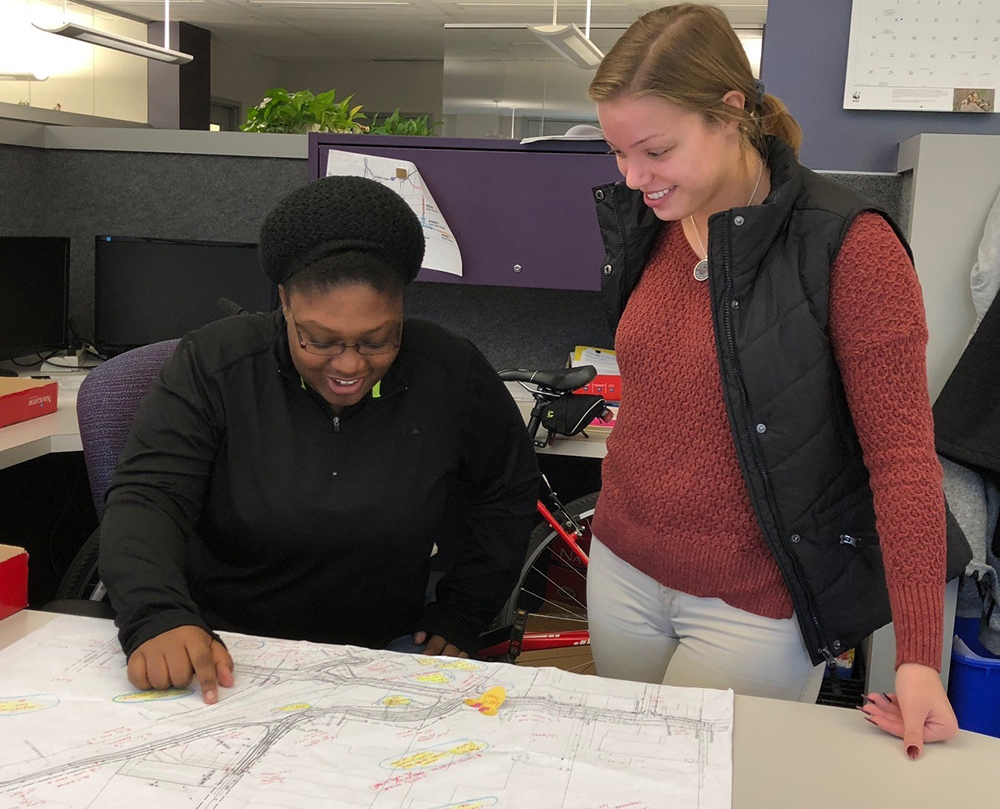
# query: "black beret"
x,y
353,217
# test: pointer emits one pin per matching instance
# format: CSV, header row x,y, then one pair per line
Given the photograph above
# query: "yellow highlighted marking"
x,y
428,758
433,677
152,696
418,760
21,705
460,665
490,701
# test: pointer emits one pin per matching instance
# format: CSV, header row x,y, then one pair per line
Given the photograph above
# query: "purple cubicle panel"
x,y
509,206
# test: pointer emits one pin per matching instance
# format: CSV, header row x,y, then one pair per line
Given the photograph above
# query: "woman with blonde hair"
x,y
771,493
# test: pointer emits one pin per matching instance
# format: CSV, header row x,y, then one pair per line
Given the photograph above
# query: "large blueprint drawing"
x,y
310,725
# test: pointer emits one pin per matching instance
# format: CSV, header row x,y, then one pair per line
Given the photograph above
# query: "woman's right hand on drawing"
x,y
176,657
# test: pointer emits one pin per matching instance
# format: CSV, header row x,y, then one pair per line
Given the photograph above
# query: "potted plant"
x,y
302,112
395,125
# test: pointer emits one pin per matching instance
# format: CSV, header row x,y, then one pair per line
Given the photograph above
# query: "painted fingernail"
x,y
913,752
888,698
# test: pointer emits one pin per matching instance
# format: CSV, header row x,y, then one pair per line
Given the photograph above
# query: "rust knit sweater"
x,y
673,503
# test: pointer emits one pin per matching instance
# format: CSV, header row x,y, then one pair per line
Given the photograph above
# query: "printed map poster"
x,y
403,177
934,55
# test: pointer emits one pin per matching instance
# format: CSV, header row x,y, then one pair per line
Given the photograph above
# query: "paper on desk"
x,y
402,176
603,359
316,725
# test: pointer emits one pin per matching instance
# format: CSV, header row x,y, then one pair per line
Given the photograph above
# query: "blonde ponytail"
x,y
773,118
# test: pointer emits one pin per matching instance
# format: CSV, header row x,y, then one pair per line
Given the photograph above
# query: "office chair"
x,y
105,407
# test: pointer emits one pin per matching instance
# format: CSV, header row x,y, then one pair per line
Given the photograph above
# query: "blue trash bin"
x,y
974,683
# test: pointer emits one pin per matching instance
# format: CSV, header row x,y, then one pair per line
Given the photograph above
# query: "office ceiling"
x,y
388,29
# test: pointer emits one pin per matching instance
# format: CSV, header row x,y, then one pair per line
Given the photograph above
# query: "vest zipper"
x,y
333,454
731,343
622,295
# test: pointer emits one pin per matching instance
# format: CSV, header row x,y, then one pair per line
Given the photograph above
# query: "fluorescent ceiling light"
x,y
570,42
8,76
117,42
537,5
326,3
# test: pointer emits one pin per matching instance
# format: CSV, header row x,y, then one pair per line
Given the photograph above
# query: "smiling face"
x,y
683,164
351,314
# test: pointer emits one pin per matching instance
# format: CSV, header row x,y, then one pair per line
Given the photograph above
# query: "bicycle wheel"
x,y
83,580
547,613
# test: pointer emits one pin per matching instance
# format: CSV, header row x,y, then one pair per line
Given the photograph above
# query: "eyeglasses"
x,y
366,348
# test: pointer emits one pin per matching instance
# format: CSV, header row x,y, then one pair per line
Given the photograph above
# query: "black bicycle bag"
x,y
572,413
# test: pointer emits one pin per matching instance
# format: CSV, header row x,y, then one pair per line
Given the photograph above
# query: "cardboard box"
x,y
13,580
22,399
606,385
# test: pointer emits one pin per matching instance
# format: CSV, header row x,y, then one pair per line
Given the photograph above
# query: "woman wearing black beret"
x,y
290,473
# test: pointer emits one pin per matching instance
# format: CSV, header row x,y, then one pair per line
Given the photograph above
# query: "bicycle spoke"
x,y
563,590
569,616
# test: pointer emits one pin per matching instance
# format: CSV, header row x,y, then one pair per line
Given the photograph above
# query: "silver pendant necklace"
x,y
701,268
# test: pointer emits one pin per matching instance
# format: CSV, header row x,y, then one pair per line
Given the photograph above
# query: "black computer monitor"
x,y
147,290
34,295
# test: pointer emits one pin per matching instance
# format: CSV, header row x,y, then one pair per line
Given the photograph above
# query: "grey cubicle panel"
x,y
523,215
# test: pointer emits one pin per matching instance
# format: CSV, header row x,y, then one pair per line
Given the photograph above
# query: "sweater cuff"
x,y
918,618
451,624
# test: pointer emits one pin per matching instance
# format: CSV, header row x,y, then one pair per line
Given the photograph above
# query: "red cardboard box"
x,y
13,580
22,399
606,385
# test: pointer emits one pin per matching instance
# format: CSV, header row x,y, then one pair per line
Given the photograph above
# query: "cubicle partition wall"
x,y
524,220
522,214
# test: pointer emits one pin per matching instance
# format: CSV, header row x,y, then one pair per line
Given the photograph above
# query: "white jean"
x,y
643,631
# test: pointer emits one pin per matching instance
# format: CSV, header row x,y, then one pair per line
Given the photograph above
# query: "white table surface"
x,y
57,432
787,755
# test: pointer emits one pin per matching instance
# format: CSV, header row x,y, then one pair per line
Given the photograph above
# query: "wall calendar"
x,y
935,55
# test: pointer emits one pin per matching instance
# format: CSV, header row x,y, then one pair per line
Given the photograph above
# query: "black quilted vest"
x,y
794,435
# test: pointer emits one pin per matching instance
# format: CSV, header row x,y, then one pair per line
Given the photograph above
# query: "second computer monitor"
x,y
149,290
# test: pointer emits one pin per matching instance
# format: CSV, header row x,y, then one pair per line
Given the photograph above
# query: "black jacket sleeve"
x,y
498,492
156,498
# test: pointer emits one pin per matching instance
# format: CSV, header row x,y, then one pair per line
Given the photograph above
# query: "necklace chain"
x,y
701,244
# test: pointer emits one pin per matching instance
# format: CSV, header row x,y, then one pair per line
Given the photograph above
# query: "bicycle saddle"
x,y
562,380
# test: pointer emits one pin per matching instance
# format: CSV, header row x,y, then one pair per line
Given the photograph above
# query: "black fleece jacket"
x,y
242,503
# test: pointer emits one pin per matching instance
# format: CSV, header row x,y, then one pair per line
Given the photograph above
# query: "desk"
x,y
57,432
787,754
